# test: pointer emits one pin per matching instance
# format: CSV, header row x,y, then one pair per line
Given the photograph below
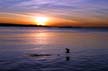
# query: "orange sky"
x,y
52,20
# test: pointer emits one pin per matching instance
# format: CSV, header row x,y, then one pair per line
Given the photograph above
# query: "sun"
x,y
41,21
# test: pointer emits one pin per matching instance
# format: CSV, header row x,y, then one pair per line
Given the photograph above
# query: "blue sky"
x,y
85,11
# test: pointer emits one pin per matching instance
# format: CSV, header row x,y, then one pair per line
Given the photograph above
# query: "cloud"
x,y
68,9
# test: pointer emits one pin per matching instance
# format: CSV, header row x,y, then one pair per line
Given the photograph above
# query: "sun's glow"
x,y
41,21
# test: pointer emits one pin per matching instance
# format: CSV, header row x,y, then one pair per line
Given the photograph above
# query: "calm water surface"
x,y
88,49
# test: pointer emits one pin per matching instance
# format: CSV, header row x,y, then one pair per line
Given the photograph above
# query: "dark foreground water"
x,y
88,49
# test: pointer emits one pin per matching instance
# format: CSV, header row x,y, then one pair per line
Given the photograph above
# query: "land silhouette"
x,y
30,25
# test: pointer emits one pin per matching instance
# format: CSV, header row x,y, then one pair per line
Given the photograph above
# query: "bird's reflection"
x,y
67,58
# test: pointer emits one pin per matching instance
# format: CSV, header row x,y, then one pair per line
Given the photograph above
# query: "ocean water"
x,y
88,49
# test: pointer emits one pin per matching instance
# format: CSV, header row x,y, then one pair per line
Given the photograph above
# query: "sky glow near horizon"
x,y
80,12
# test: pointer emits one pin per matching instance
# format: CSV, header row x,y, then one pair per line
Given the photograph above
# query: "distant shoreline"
x,y
20,25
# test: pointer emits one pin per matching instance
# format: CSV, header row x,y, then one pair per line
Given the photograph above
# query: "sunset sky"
x,y
58,12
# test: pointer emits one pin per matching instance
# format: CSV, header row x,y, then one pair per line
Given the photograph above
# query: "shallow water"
x,y
88,49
